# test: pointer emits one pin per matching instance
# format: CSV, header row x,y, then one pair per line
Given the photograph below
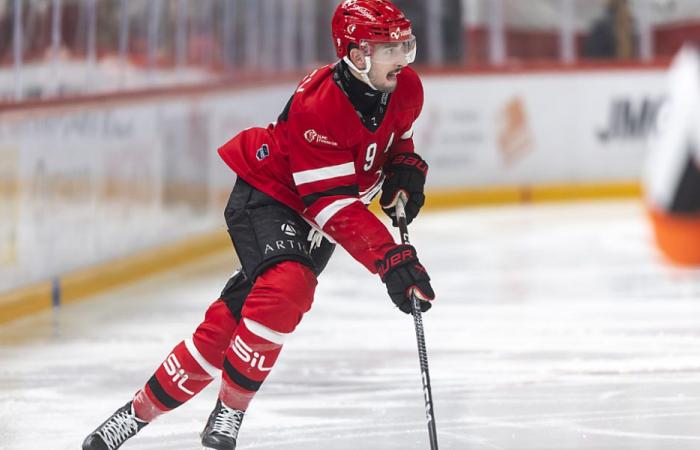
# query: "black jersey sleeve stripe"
x,y
161,395
349,191
240,379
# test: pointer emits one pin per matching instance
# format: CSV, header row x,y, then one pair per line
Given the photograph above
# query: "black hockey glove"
x,y
402,273
405,174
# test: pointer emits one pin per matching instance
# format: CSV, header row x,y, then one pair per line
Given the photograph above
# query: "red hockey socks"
x,y
254,350
183,374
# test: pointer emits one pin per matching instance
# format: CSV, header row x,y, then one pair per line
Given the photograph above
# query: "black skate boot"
x,y
122,425
222,428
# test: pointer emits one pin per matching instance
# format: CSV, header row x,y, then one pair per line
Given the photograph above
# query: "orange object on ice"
x,y
678,236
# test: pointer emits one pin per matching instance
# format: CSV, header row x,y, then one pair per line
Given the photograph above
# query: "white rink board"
x,y
99,181
90,183
557,130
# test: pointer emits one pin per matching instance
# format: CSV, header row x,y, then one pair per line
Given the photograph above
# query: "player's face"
x,y
387,61
383,76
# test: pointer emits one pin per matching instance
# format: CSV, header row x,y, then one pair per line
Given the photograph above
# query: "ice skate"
x,y
113,432
222,428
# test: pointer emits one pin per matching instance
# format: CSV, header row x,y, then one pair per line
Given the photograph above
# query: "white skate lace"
x,y
118,429
228,422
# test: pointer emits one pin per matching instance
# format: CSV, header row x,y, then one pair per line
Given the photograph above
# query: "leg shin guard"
x,y
254,350
183,374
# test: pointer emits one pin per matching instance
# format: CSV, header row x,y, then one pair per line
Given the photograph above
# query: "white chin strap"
x,y
363,73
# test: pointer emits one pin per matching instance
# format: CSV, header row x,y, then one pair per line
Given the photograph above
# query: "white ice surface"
x,y
556,327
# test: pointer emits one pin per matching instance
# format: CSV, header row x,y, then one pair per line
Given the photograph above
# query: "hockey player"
x,y
672,181
303,185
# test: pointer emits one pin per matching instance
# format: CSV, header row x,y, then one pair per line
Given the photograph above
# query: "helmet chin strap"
x,y
363,73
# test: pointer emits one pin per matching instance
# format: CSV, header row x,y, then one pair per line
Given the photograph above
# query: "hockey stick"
x,y
420,336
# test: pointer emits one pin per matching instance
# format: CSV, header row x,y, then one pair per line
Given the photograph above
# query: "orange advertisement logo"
x,y
515,139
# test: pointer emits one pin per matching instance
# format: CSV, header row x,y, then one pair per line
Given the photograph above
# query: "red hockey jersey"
x,y
320,159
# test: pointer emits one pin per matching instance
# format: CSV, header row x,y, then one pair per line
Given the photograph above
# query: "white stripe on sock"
x,y
204,364
264,332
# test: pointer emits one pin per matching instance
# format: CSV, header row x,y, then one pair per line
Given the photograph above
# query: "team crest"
x,y
263,152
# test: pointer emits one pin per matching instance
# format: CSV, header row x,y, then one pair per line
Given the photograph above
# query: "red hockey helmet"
x,y
368,22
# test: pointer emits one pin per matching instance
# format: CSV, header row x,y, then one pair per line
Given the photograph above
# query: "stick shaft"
x,y
420,338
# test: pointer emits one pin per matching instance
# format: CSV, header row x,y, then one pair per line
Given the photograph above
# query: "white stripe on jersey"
x,y
324,173
331,210
367,195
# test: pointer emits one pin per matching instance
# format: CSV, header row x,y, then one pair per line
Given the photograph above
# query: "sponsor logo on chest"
x,y
314,137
